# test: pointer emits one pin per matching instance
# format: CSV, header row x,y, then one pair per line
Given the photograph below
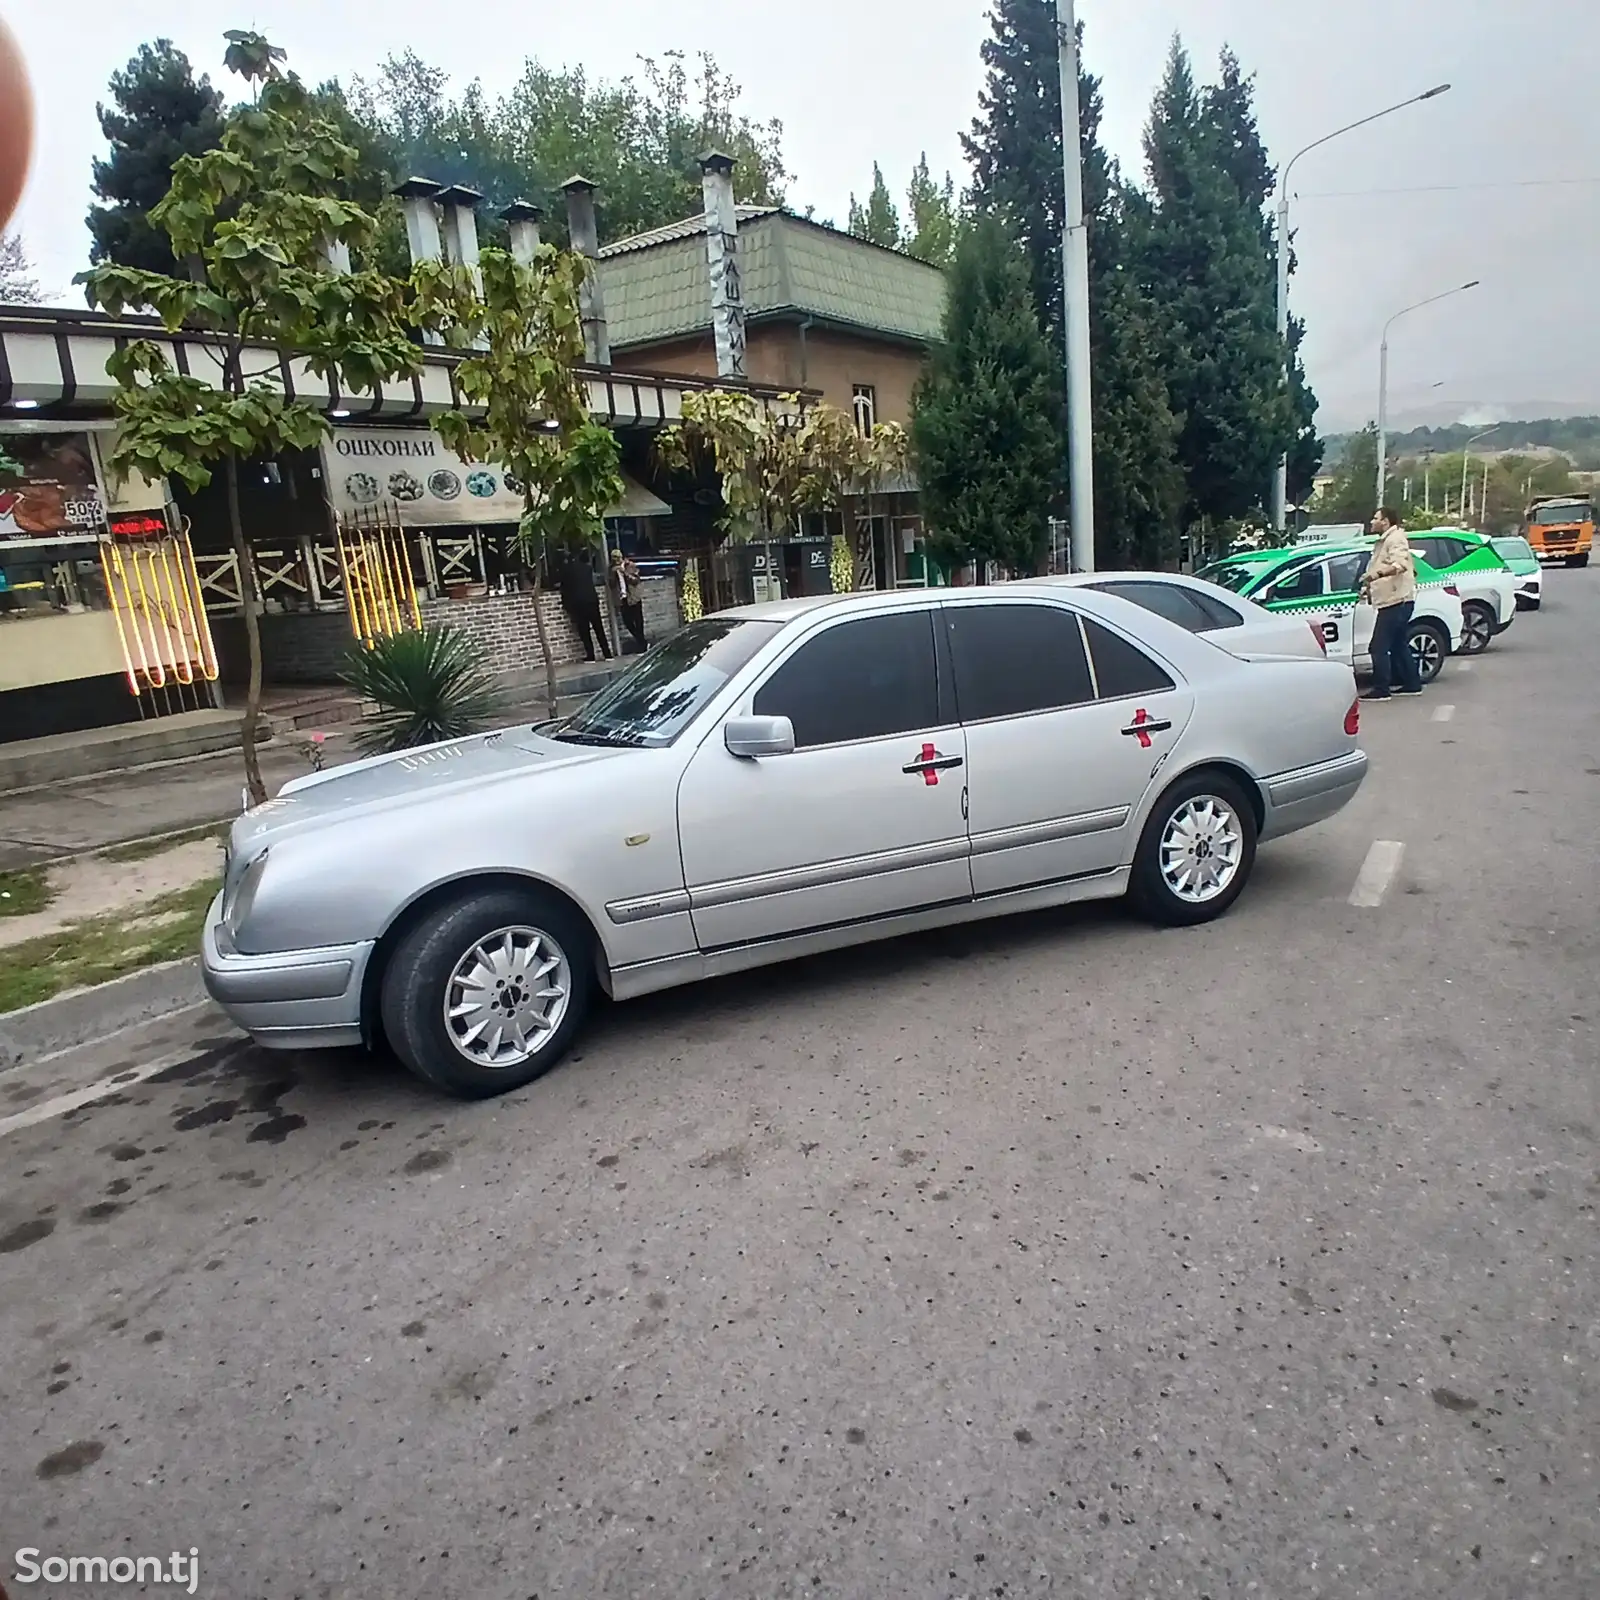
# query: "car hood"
x,y
407,778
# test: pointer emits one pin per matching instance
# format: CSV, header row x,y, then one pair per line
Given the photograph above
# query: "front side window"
x,y
1305,584
1514,550
865,679
1120,668
661,693
1012,660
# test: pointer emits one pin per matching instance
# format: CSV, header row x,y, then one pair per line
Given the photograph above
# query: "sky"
x,y
1498,180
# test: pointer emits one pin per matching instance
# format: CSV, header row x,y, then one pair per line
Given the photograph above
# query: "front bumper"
x,y
290,999
1312,794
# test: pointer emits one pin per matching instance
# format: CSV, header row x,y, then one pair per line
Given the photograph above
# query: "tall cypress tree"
x,y
1207,266
1228,106
983,435
878,221
1015,150
159,113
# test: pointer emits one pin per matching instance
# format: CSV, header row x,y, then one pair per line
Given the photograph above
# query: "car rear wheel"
x,y
1430,644
1478,627
489,992
1578,561
1196,852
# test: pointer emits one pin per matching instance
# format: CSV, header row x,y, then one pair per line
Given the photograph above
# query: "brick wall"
x,y
310,647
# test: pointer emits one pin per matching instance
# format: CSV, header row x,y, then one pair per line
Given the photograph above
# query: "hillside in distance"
x,y
1577,438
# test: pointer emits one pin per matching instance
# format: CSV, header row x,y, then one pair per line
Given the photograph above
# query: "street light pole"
x,y
1075,304
1280,483
1383,376
1466,457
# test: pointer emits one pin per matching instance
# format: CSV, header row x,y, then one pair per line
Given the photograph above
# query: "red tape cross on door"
x,y
1142,726
930,764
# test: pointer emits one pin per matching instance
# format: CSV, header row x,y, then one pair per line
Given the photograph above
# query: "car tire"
x,y
524,929
1478,626
1155,888
1578,561
1430,644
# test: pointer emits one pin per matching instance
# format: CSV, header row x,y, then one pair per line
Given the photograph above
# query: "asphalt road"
x,y
1052,1257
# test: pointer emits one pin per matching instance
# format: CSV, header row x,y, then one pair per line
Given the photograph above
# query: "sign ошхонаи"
x,y
411,469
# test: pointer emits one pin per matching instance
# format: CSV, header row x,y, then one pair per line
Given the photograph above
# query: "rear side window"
x,y
1169,600
1011,660
866,679
1344,572
1121,668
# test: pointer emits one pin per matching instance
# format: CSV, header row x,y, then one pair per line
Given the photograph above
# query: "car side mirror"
x,y
752,737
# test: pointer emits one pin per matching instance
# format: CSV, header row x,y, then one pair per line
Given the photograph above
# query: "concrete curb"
x,y
85,1015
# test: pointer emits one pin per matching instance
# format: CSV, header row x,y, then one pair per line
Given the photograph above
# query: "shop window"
x,y
864,402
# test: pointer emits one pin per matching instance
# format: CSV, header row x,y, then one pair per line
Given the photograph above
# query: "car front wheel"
x,y
1478,627
1196,852
1430,644
488,992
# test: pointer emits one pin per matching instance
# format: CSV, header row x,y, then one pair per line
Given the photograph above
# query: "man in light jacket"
x,y
1390,585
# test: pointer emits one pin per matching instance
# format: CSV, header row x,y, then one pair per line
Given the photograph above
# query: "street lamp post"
x,y
1383,376
1075,300
1280,483
1466,457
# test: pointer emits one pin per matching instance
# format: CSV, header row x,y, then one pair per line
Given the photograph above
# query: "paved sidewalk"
x,y
112,808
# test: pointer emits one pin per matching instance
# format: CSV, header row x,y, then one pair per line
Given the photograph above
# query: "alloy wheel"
x,y
507,996
1201,848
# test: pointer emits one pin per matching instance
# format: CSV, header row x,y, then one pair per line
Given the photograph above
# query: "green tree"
x,y
878,221
1228,110
983,427
775,462
252,220
1353,494
1207,266
521,334
1015,150
933,216
639,139
158,115
19,283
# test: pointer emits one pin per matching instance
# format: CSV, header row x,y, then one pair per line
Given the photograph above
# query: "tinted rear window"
x,y
1011,660
1121,668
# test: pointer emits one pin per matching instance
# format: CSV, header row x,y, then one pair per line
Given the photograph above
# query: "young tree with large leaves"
x,y
984,438
1015,150
1206,263
253,221
521,332
775,461
158,114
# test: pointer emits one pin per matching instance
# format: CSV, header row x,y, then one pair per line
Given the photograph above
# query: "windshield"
x,y
659,695
1563,511
1236,576
1514,549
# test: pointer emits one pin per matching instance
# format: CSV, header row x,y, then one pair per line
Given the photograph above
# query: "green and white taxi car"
x,y
1523,561
1321,582
1487,584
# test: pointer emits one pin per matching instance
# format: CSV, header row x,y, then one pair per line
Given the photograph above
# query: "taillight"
x,y
1352,719
1319,636
1450,589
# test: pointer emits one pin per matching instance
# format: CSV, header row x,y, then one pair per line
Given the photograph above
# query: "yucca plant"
x,y
428,686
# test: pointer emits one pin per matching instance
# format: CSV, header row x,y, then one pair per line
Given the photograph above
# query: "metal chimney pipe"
x,y
460,226
722,262
522,219
417,197
585,235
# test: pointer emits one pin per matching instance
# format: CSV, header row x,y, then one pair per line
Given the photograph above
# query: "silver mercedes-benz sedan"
x,y
769,782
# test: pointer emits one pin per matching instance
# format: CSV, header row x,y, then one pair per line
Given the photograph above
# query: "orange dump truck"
x,y
1561,528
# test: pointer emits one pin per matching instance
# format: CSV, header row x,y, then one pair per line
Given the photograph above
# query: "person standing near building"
x,y
1390,585
581,602
630,600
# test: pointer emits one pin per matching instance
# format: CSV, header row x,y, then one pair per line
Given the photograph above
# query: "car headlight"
x,y
237,901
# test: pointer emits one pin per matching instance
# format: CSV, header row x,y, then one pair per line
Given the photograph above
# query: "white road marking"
x,y
1463,666
1290,1136
1377,873
98,1090
1443,713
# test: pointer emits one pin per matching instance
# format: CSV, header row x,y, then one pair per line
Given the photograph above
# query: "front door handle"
x,y
930,763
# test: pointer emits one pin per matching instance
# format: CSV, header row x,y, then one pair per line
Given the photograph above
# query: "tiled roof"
x,y
657,288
